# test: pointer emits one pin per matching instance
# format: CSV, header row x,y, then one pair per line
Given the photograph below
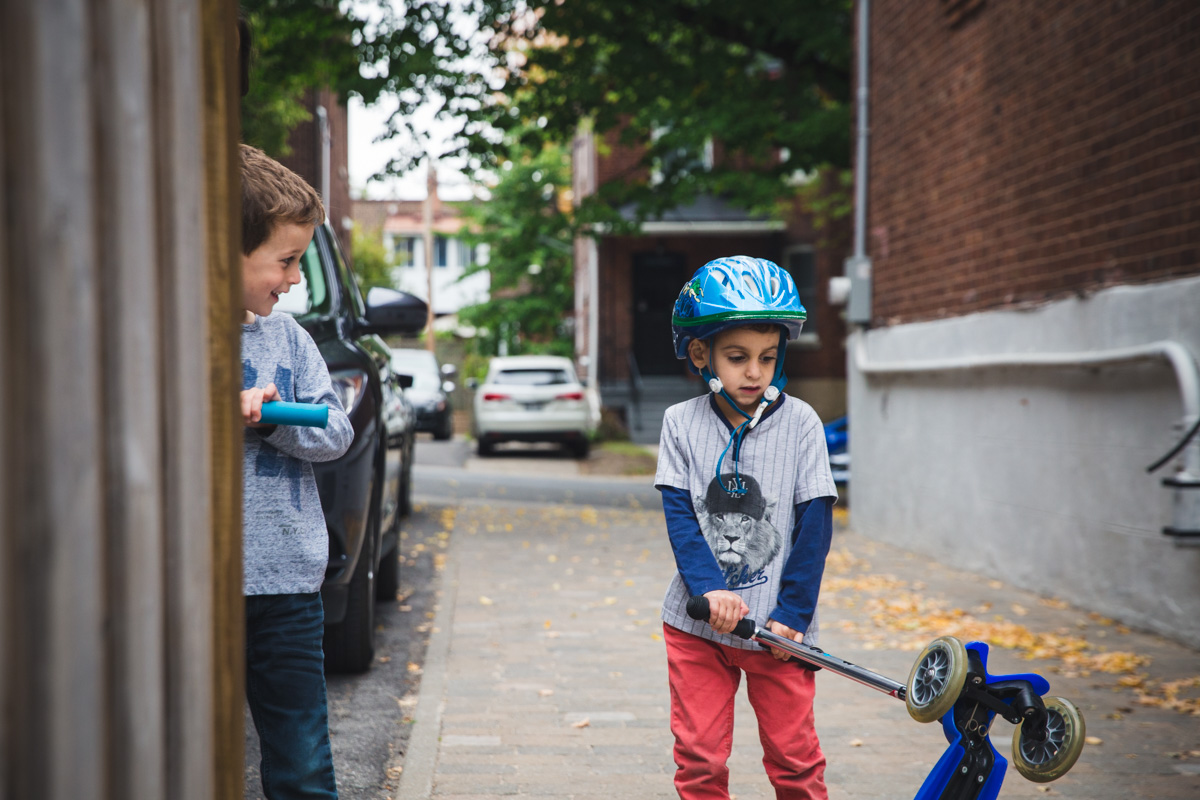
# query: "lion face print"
x,y
739,530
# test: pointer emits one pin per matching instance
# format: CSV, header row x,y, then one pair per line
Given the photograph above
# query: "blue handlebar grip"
x,y
306,414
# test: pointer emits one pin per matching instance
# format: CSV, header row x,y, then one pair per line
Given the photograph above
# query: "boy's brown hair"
x,y
272,194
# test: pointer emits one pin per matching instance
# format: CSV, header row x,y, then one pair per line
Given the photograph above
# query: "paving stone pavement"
x,y
546,673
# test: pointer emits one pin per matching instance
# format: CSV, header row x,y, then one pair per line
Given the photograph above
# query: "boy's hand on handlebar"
x,y
725,610
779,629
252,401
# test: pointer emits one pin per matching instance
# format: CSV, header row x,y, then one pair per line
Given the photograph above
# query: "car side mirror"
x,y
405,381
472,383
448,387
390,311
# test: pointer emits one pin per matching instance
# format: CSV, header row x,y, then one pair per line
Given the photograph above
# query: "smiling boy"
x,y
747,495
286,545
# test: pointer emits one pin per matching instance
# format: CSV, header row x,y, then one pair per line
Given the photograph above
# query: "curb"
x,y
416,781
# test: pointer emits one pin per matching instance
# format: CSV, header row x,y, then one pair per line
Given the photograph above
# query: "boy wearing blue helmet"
x,y
748,498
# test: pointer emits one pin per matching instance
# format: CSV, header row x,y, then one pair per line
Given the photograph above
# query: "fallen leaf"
x,y
1093,740
547,624
856,742
485,601
1019,609
383,659
545,692
394,772
583,723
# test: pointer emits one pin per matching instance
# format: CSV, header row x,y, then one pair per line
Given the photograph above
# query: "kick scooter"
x,y
305,414
950,682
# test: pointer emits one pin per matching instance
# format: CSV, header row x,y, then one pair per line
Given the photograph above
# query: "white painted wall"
x,y
1035,476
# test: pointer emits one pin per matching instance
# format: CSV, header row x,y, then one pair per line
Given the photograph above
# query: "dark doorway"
x,y
657,279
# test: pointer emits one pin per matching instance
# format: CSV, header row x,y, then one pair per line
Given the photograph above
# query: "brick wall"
x,y
1030,150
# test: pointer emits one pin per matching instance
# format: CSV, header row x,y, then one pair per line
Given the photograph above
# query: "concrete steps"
x,y
645,413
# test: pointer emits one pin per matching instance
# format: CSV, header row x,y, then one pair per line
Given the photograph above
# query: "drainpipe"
x,y
858,266
1185,483
326,144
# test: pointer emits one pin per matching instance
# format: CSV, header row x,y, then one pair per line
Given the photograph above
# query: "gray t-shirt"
x,y
782,462
286,546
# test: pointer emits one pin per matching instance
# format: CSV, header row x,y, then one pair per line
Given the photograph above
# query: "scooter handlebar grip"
x,y
697,609
304,414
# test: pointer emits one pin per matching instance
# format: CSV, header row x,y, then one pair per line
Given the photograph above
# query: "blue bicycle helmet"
x,y
735,291
723,294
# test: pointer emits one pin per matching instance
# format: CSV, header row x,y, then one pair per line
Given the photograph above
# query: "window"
x,y
311,295
404,251
441,251
531,377
466,253
801,263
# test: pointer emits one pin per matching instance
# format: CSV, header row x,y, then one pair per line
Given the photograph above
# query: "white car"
x,y
532,399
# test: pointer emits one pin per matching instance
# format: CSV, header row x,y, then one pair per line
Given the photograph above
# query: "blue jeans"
x,y
285,686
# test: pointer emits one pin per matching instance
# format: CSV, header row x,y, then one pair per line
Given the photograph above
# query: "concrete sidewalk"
x,y
546,674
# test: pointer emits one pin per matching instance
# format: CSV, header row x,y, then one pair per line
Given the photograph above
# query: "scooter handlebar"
x,y
697,609
304,414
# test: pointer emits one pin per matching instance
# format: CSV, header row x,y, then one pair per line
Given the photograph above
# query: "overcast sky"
x,y
368,157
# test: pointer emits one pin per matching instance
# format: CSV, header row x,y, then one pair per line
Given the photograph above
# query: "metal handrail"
x,y
635,391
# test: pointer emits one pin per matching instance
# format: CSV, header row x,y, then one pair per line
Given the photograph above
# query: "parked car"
x,y
363,492
532,399
837,440
430,392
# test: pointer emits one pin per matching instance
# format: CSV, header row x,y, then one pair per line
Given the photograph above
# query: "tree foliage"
x,y
372,266
768,81
529,237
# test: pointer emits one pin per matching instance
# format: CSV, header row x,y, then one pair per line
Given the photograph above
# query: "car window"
x,y
347,278
311,295
531,377
422,368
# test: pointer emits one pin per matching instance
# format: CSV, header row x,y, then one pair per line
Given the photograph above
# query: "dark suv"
x,y
365,492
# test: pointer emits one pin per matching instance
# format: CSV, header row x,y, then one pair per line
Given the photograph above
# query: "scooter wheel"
x,y
937,679
1049,759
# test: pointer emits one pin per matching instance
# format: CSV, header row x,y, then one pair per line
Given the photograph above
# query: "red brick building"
x,y
1033,228
325,169
1030,150
626,287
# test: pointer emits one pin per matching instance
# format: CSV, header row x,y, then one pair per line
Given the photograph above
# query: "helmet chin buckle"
x,y
769,396
715,385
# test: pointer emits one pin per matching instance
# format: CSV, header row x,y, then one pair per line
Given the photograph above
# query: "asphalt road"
x,y
371,714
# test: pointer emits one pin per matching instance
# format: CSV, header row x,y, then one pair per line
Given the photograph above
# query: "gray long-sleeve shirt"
x,y
286,545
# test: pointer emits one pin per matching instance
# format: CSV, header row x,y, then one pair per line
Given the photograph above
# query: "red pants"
x,y
704,679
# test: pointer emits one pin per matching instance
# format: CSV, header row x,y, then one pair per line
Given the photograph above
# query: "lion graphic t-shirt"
x,y
747,513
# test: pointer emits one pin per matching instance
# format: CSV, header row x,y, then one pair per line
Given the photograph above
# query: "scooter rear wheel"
x,y
1048,760
937,679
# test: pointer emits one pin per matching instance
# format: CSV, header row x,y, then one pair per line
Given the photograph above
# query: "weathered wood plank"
x,y
131,329
187,462
6,573
55,462
223,223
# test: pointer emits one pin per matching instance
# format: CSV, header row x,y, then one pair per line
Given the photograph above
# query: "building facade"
x,y
1034,235
626,286
400,224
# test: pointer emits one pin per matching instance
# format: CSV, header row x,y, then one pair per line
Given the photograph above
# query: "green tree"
x,y
769,82
372,265
529,238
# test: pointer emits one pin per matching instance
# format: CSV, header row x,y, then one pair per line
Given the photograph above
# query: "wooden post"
x,y
120,443
223,217
187,399
427,218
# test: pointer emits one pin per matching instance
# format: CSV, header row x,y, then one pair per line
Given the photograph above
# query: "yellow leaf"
x,y
486,601
1093,740
856,742
583,723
